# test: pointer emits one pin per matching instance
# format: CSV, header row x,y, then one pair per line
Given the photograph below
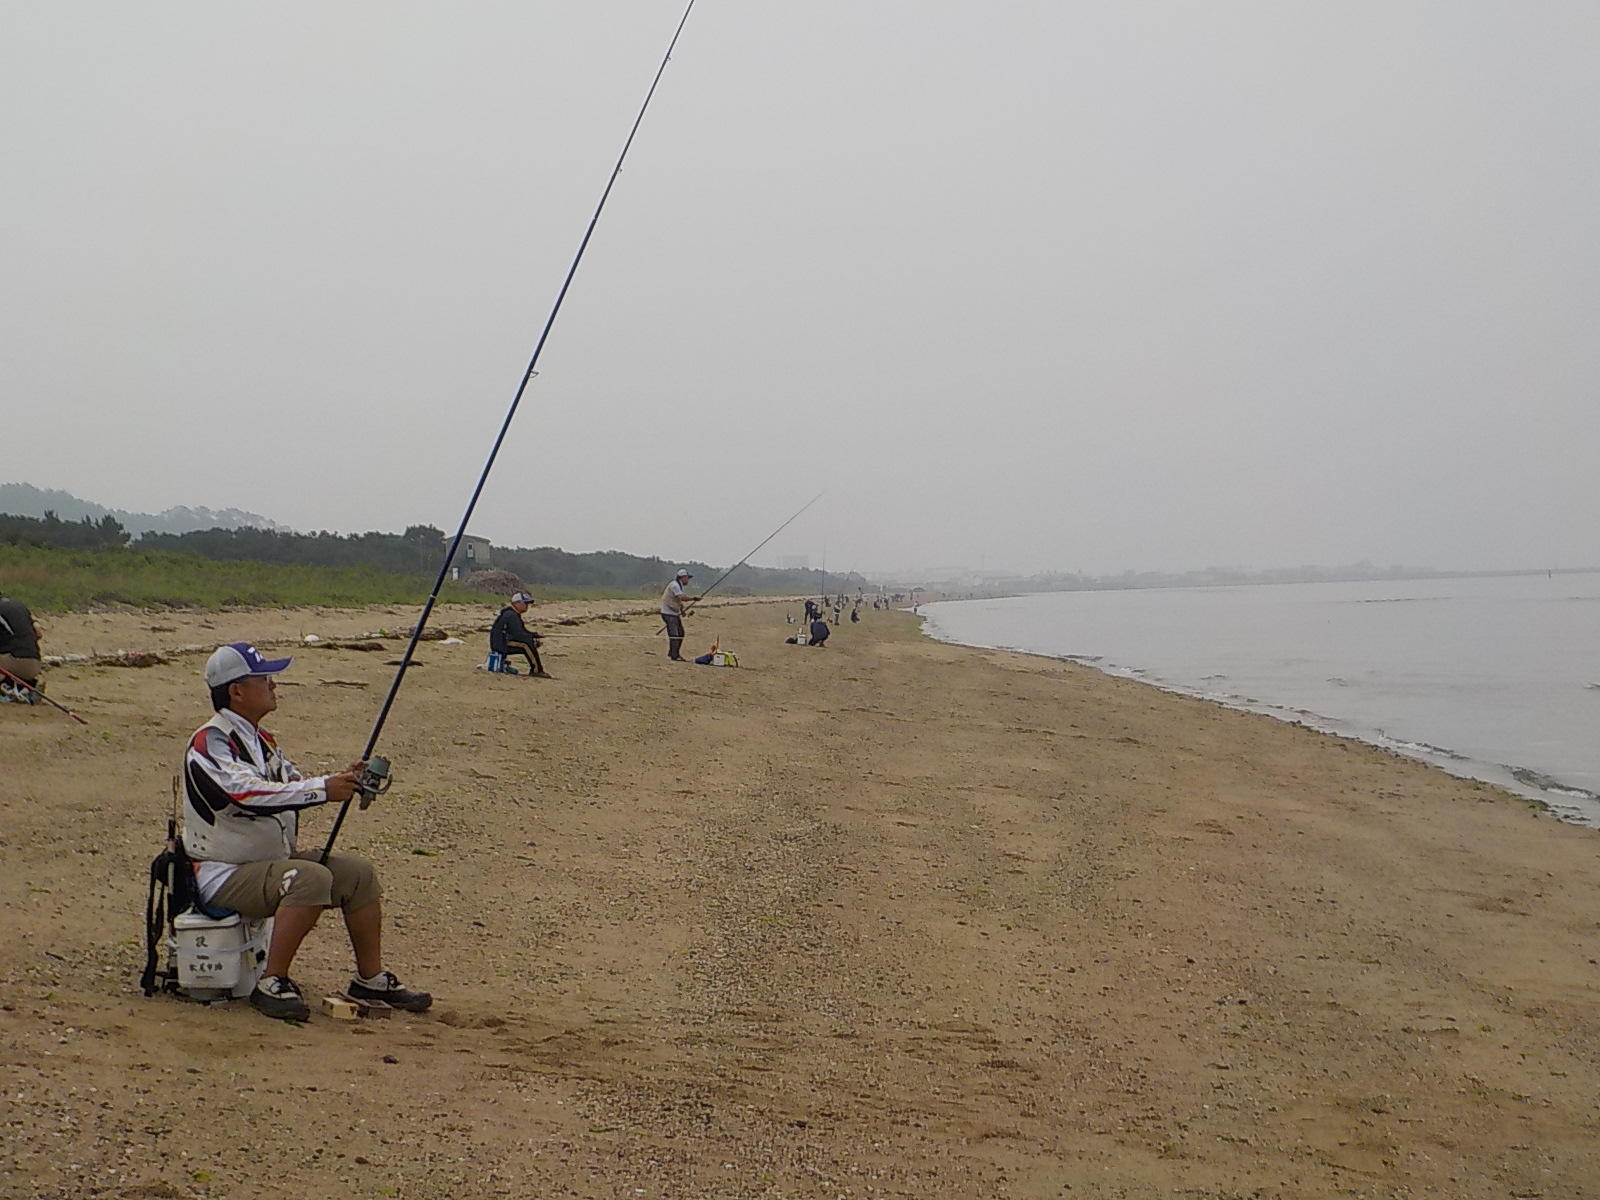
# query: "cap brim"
x,y
271,666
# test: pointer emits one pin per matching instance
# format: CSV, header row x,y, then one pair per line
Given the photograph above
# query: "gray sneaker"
x,y
391,993
279,996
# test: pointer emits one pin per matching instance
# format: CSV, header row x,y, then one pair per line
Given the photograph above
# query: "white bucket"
x,y
219,956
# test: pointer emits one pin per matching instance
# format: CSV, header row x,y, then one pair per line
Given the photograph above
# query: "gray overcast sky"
x,y
1022,283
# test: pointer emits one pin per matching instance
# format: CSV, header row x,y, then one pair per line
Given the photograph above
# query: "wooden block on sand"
x,y
339,1008
367,1008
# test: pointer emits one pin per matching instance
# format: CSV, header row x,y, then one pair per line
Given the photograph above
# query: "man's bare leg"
x,y
365,926
366,938
289,928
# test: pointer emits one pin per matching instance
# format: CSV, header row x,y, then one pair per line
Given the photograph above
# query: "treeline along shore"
x,y
72,564
887,918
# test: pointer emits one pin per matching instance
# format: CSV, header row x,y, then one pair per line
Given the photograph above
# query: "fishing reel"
x,y
374,781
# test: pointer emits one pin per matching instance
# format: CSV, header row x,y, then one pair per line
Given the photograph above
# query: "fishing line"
x,y
762,543
625,636
505,426
746,558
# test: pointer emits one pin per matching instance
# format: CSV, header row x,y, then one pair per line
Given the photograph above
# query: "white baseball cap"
x,y
683,573
521,598
238,660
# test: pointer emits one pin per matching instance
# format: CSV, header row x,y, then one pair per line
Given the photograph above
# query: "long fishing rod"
x,y
505,426
41,696
762,543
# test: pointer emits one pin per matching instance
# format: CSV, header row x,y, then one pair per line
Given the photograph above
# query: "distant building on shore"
x,y
474,554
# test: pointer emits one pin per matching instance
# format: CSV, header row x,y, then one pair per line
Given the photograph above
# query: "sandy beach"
x,y
888,918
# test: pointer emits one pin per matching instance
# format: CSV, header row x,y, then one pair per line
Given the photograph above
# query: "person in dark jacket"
x,y
816,634
19,642
510,636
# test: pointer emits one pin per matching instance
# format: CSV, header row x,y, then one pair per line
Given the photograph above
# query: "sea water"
x,y
1492,678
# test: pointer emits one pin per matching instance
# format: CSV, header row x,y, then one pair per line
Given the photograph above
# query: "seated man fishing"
x,y
241,811
508,635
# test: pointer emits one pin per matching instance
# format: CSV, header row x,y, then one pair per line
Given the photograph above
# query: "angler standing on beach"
x,y
674,603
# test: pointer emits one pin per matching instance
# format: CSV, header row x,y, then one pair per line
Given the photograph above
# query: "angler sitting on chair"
x,y
508,636
241,810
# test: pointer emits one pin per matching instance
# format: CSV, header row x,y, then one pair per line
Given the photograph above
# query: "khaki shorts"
x,y
256,890
25,669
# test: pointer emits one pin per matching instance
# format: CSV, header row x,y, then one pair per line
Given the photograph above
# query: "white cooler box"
x,y
219,957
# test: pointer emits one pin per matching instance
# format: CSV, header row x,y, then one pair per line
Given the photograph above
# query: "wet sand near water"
x,y
889,918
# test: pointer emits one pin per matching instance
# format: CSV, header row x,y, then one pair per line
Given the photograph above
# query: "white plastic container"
x,y
219,956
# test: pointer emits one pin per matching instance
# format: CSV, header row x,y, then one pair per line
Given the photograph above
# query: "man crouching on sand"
x,y
241,804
